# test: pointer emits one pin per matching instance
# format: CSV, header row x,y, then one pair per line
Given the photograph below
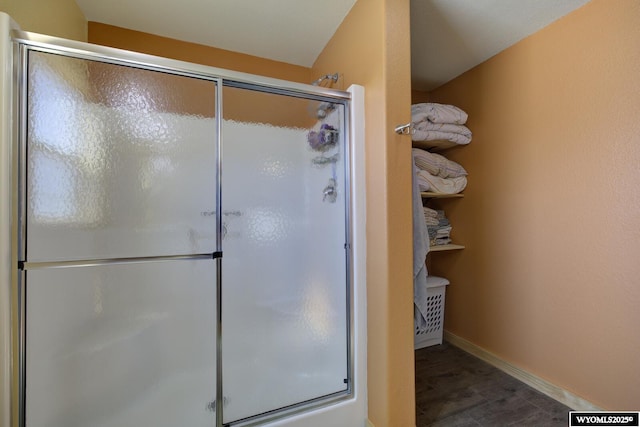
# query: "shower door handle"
x,y
225,213
230,215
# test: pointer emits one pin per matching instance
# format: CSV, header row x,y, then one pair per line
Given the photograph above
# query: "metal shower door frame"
x,y
23,43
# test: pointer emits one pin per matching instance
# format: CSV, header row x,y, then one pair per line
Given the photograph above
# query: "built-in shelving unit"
x,y
432,195
438,226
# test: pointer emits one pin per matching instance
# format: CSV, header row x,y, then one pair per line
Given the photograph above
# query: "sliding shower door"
x,y
285,339
181,245
118,276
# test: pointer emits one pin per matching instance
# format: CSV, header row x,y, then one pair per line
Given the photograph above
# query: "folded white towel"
x,y
441,185
443,231
437,164
437,113
440,241
430,212
435,135
444,127
429,220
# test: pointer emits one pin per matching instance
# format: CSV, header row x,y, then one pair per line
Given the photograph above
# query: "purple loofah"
x,y
323,139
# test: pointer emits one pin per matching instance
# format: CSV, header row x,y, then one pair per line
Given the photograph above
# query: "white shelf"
x,y
449,247
430,195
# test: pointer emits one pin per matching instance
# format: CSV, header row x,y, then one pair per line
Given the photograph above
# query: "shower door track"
x,y
173,66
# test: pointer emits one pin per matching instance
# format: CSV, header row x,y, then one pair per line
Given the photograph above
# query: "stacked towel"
x,y
428,182
430,216
437,113
432,122
438,174
437,164
440,233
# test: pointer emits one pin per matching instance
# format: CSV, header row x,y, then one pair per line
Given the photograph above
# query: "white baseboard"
x,y
369,423
553,391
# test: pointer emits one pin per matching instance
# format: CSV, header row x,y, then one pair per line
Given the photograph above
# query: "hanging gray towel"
x,y
420,249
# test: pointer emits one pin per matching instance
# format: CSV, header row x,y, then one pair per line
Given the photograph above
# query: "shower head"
x,y
323,110
332,77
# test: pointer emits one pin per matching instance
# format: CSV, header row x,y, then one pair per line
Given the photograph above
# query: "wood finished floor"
x,y
456,389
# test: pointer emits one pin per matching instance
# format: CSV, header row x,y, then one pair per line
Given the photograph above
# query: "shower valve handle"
x,y
329,193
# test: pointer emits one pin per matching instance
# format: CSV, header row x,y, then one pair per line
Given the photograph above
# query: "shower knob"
x,y
330,193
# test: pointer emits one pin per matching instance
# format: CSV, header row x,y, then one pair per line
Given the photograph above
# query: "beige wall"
x,y
550,277
109,35
60,18
371,48
419,96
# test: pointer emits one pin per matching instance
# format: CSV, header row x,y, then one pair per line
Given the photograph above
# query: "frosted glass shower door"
x,y
121,345
121,161
119,275
284,270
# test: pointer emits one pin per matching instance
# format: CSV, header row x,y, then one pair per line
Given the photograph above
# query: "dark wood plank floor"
x,y
456,389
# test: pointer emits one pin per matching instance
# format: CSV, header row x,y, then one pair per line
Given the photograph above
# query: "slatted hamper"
x,y
432,333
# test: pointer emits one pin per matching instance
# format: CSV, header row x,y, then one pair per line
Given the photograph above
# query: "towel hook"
x,y
404,129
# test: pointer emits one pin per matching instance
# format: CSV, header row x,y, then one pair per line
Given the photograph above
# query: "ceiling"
x,y
448,37
292,31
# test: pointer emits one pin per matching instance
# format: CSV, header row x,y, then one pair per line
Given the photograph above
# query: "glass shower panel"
x,y
284,274
121,345
121,161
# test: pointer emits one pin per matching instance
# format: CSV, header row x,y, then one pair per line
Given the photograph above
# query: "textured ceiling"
x,y
448,37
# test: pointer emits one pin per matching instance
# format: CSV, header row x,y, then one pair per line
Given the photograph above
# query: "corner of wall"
x,y
62,18
418,96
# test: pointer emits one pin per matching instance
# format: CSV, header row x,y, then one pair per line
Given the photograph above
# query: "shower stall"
x,y
181,245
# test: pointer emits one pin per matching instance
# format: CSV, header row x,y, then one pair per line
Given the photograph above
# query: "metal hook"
x,y
405,129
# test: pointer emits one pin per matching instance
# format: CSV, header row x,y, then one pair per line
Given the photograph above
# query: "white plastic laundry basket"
x,y
431,334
